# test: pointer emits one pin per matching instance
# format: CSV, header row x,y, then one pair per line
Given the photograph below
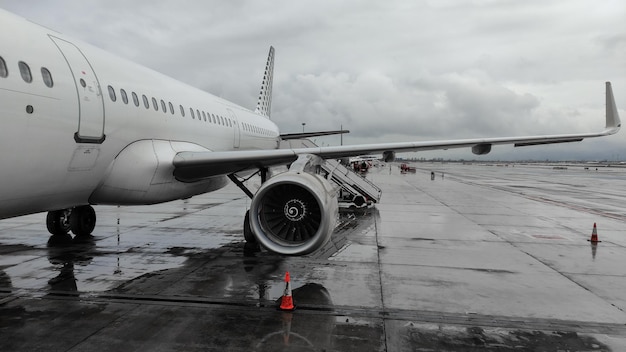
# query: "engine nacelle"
x,y
294,213
481,149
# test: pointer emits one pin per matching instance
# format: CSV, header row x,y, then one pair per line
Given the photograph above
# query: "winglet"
x,y
613,122
264,104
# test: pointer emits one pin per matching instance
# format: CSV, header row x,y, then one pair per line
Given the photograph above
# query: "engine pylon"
x,y
286,301
594,235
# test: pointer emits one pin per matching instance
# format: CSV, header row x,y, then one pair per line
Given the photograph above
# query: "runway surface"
x,y
481,258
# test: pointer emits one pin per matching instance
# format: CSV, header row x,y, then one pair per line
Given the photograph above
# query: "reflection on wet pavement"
x,y
456,264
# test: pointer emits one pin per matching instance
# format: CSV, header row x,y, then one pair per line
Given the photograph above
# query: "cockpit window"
x,y
47,77
25,72
3,68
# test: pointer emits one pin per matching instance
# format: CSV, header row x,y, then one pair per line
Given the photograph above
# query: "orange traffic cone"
x,y
286,302
594,235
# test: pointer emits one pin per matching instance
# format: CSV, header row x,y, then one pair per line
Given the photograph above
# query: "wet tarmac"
x,y
483,258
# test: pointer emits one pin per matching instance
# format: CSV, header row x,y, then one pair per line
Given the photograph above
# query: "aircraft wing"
x,y
193,166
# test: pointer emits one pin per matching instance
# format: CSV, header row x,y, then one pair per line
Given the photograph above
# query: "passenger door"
x,y
89,94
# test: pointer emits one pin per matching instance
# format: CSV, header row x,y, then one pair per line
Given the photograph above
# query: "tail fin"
x,y
613,122
264,104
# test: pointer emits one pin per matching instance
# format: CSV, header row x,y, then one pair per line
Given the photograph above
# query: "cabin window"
x,y
124,96
192,115
135,99
112,94
163,107
25,72
145,101
47,77
3,68
171,107
155,104
222,118
198,113
204,115
182,110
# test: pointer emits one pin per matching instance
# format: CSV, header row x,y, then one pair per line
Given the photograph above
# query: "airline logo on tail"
x,y
264,104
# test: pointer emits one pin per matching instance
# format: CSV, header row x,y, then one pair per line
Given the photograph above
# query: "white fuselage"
x,y
71,144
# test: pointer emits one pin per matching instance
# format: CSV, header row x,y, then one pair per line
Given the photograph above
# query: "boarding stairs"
x,y
355,191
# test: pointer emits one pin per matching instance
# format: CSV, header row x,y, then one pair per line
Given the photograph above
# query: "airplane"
x,y
83,127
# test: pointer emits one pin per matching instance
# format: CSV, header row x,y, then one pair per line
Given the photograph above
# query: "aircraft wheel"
x,y
83,220
247,230
58,222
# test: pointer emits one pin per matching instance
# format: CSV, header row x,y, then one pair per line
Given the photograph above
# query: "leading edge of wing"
x,y
194,166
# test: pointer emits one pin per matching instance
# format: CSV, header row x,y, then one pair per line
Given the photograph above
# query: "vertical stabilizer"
x,y
612,116
264,104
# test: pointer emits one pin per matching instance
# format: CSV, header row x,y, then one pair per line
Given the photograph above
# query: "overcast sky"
x,y
386,70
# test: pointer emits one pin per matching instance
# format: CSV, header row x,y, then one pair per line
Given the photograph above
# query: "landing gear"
x,y
247,231
83,220
251,246
58,221
80,220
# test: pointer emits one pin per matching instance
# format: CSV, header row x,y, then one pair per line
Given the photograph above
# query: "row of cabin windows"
x,y
25,72
255,129
160,104
27,76
202,115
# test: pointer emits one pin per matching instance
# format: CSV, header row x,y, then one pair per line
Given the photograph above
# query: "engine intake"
x,y
294,213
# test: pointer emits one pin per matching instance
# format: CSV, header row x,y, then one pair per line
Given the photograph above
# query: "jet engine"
x,y
294,213
481,149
